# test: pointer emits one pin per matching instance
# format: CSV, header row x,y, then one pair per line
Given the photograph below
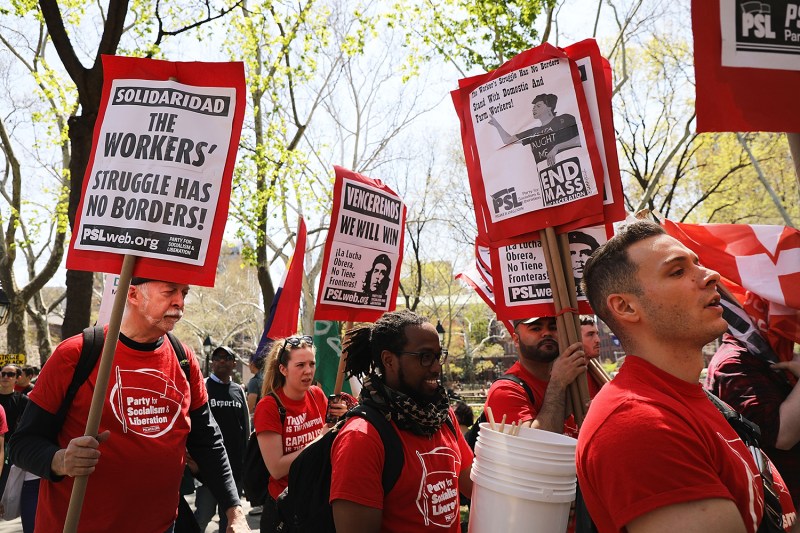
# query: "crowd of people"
x,y
656,450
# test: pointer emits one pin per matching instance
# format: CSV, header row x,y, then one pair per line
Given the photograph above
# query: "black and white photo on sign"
x,y
530,141
366,240
156,177
582,243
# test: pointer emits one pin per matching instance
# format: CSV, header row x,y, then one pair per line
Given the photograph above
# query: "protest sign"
x,y
521,279
158,182
110,282
760,34
328,345
747,65
483,263
592,70
527,173
363,252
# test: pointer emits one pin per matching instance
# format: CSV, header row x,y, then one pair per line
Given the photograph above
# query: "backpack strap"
x,y
518,381
281,408
93,338
180,353
393,448
749,432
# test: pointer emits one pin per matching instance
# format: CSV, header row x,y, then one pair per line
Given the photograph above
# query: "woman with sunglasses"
x,y
289,372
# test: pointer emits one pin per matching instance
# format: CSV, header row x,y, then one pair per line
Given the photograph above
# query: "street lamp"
x,y
440,331
208,347
4,307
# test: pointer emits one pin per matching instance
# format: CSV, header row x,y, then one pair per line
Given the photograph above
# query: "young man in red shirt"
x,y
401,359
654,454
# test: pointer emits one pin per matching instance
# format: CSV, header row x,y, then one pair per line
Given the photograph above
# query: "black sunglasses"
x,y
8,374
427,358
295,342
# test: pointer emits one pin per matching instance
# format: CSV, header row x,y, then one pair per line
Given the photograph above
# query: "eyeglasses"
x,y
8,374
427,358
225,357
294,342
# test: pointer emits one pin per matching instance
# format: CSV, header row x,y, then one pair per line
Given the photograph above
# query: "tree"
x,y
34,214
320,97
89,83
230,312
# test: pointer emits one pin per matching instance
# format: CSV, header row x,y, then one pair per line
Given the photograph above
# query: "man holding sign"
x,y
155,410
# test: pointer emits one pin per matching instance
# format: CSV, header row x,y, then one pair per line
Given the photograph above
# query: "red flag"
x,y
763,260
285,308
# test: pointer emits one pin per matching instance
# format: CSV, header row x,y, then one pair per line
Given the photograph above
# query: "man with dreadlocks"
x,y
401,360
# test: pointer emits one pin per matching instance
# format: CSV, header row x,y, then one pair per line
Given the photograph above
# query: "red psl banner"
x,y
764,261
527,173
747,65
363,252
158,182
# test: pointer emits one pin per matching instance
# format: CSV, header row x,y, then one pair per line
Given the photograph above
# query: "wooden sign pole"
x,y
558,288
101,385
337,388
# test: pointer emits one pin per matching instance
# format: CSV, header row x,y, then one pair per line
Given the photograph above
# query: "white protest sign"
x,y
157,174
362,264
530,140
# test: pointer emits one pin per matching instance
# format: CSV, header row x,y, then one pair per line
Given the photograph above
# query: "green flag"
x,y
329,348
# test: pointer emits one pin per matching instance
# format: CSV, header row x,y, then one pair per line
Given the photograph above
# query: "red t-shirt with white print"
x,y
304,421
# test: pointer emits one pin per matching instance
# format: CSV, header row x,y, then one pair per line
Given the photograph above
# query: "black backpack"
x,y
304,505
255,477
472,433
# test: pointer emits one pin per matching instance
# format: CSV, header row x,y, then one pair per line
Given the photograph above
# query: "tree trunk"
x,y
17,326
43,342
79,284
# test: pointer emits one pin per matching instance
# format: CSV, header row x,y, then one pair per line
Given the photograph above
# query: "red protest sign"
x,y
522,281
529,172
158,182
595,77
363,252
747,65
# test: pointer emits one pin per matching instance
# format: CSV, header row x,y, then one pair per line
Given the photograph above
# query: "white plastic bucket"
x,y
561,466
541,471
498,506
526,480
529,438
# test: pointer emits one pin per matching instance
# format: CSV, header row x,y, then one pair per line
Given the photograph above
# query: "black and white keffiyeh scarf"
x,y
407,413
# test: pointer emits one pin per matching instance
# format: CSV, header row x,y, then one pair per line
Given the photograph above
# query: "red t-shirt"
x,y
651,440
426,493
136,483
3,423
304,421
507,398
